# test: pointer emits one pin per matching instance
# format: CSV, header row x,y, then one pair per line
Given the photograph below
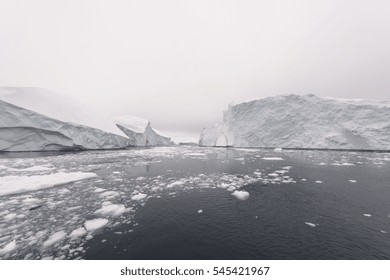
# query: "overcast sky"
x,y
180,63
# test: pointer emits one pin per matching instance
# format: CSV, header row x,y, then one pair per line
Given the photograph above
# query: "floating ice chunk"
x,y
382,231
99,190
8,248
303,180
140,178
272,158
195,154
139,197
112,210
116,172
36,168
352,181
54,238
241,195
278,150
95,224
10,216
20,184
200,211
367,215
78,232
231,188
109,194
175,184
310,224
319,182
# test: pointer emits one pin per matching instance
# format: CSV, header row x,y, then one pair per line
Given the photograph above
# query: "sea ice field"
x,y
195,203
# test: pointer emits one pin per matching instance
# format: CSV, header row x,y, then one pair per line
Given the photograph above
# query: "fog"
x,y
180,63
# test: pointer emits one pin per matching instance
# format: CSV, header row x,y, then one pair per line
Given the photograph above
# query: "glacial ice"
x,y
35,119
140,132
307,121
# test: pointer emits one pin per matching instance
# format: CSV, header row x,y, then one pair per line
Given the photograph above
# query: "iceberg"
x,y
303,121
36,119
140,132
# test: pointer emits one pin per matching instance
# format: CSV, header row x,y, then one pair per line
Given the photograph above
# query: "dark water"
x,y
270,224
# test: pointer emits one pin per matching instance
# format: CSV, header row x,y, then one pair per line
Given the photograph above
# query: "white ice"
x,y
19,184
95,224
241,195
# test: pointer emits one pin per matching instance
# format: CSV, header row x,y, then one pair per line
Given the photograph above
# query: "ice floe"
x,y
241,195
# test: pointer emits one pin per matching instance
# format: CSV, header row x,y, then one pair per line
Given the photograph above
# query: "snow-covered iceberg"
x,y
140,132
36,119
303,121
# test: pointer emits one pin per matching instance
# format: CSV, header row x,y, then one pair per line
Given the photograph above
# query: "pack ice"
x,y
140,132
303,121
36,119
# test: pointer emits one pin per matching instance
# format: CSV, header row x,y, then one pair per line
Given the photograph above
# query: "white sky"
x,y
180,63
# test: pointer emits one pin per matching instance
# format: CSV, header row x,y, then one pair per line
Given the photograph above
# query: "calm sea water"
x,y
301,205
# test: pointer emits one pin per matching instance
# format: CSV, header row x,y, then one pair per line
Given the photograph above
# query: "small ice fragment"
x,y
319,182
138,197
95,224
231,188
310,224
8,248
241,195
278,150
200,211
54,238
367,215
272,158
78,232
352,181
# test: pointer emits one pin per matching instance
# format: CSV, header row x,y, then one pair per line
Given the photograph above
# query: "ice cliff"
x,y
140,132
36,119
307,121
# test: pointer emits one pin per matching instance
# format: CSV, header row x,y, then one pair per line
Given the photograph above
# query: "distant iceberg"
x,y
36,119
140,132
303,121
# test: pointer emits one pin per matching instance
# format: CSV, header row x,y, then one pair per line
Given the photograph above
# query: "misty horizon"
x,y
180,63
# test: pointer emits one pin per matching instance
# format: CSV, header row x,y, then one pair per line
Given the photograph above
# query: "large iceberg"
x,y
303,121
140,132
36,119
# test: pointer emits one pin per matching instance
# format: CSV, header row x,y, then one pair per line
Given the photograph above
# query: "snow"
x,y
139,197
35,119
140,132
55,238
303,121
19,184
8,248
241,195
95,224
